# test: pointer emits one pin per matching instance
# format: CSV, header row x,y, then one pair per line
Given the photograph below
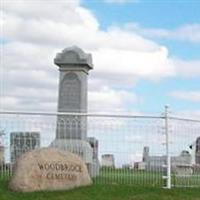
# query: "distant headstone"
x,y
1,154
107,160
183,169
49,169
21,142
145,157
197,151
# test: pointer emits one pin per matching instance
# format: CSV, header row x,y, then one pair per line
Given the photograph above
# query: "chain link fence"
x,y
159,151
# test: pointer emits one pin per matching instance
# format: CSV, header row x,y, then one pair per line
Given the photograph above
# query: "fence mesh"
x,y
185,152
117,149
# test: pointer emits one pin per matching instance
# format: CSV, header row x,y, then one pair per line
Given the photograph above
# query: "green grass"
x,y
129,177
114,184
103,192
186,181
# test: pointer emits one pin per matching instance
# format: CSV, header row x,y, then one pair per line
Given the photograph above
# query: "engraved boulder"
x,y
49,169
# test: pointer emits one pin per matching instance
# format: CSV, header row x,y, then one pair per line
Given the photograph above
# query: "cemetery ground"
x,y
104,192
111,185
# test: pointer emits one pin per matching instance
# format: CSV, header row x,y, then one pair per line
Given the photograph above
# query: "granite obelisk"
x,y
74,65
71,132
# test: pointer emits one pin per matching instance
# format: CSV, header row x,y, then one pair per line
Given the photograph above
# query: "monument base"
x,y
94,168
81,148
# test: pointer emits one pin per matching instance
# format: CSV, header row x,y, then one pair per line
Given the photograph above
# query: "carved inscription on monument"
x,y
70,93
59,171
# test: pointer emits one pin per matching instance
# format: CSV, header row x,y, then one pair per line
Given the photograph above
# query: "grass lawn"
x,y
103,192
129,177
114,184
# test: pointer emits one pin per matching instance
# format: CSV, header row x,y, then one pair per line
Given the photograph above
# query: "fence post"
x,y
168,186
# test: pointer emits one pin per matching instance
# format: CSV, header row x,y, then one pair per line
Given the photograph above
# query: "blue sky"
x,y
146,53
148,13
157,15
152,14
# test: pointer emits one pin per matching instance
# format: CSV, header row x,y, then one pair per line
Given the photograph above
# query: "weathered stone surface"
x,y
78,147
49,169
70,93
74,56
71,131
21,142
1,154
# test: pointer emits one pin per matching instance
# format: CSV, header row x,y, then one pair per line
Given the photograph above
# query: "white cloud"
x,y
193,96
139,139
190,96
35,31
191,114
187,69
110,100
121,1
130,63
146,139
188,32
39,9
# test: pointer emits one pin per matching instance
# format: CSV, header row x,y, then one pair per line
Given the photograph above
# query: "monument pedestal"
x,y
94,168
81,148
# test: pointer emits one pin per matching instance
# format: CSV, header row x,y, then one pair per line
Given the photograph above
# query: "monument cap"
x,y
74,57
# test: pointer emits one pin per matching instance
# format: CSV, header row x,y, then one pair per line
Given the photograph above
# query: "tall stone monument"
x,y
74,66
71,132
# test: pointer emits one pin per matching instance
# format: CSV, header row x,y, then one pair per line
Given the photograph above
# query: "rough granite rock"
x,y
49,169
